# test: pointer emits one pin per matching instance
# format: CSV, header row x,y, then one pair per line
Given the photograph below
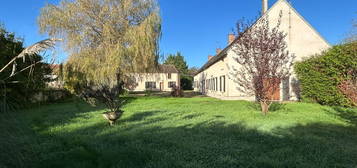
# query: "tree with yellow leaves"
x,y
105,38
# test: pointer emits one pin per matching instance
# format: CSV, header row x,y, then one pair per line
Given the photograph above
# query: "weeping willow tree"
x,y
105,38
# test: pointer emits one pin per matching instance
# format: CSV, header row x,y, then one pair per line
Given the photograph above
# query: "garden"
x,y
180,132
80,113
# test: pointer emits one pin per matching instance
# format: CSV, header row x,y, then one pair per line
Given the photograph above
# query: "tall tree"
x,y
263,59
178,61
105,37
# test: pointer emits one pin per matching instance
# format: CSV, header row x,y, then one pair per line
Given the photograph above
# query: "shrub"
x,y
349,88
108,94
176,92
320,76
186,82
148,93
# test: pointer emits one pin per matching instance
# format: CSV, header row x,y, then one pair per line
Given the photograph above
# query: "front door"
x,y
161,86
273,88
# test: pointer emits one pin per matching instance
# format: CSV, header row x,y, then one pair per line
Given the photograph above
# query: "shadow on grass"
x,y
63,113
141,116
347,114
186,94
205,144
191,116
18,129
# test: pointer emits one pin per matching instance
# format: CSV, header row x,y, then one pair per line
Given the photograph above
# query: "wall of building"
x,y
139,81
213,81
302,40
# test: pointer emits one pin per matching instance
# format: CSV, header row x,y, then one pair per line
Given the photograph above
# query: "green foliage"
x,y
178,61
186,82
181,132
148,93
105,37
73,79
321,74
23,85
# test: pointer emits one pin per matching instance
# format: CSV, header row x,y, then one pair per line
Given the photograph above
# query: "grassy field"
x,y
180,132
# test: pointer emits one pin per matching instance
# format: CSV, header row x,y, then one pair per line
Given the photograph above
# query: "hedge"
x,y
321,75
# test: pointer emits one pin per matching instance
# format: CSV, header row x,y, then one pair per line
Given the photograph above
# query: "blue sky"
x,y
197,27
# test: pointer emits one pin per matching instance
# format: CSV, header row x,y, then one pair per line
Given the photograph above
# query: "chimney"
x,y
231,38
218,50
264,6
209,57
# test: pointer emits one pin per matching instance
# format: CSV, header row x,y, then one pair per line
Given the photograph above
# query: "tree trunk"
x,y
265,107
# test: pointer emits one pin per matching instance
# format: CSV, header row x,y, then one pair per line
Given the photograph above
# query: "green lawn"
x,y
180,132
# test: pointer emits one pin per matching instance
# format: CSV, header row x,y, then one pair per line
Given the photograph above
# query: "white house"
x,y
214,78
166,77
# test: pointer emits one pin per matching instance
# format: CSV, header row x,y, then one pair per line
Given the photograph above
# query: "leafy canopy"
x,y
178,61
105,37
21,79
321,75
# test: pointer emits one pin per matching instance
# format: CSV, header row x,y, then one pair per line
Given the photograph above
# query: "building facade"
x,y
164,79
216,77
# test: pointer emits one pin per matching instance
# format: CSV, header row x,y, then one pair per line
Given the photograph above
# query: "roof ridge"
x,y
223,52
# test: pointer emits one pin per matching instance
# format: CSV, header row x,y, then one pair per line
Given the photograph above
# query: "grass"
x,y
180,132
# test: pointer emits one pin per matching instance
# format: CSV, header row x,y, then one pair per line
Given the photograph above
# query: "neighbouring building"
x,y
55,81
214,78
164,79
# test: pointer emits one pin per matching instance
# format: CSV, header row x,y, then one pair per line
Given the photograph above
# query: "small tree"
x,y
263,60
108,93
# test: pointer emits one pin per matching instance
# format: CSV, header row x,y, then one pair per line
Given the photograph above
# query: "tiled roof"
x,y
167,69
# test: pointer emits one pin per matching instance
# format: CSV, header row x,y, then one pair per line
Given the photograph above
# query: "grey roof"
x,y
167,69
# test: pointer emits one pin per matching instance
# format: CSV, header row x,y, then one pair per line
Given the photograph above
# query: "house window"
x,y
212,84
212,80
215,84
150,85
220,83
224,83
172,84
216,79
169,75
207,84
